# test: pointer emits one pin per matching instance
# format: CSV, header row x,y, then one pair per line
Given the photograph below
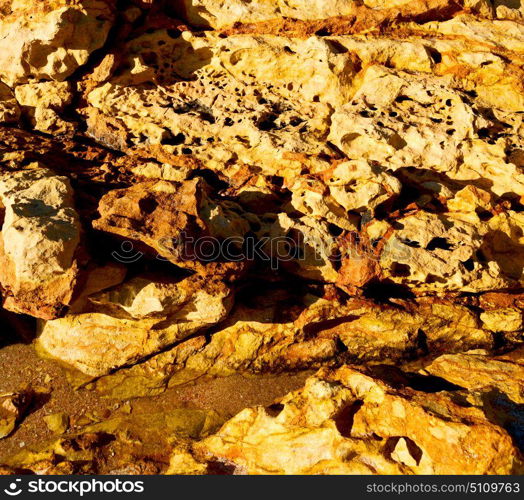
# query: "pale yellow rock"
x,y
222,13
40,235
186,117
53,95
481,373
13,406
303,246
470,199
352,186
42,103
267,336
346,422
50,39
57,422
400,119
133,321
431,252
509,9
503,320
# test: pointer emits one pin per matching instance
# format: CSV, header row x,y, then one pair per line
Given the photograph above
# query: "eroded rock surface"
x,y
346,422
203,189
40,236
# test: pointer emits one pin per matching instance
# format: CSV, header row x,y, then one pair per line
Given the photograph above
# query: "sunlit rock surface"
x,y
203,202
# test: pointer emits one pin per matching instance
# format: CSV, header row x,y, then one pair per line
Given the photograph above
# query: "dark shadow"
x,y
502,411
381,291
346,416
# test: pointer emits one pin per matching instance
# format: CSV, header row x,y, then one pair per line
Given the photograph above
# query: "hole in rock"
x,y
274,410
148,205
400,270
441,243
345,418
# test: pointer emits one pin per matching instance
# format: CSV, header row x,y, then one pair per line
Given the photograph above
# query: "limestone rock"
x,y
57,422
42,102
478,372
278,331
347,422
219,14
174,219
133,321
142,442
39,239
212,70
51,39
431,252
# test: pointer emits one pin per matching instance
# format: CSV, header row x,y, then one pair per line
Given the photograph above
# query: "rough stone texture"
x,y
279,330
9,109
346,422
350,172
132,321
40,235
42,102
127,443
50,39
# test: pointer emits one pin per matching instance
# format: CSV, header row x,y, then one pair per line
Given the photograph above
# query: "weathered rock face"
x,y
174,220
349,172
9,110
133,321
346,422
42,102
40,235
51,39
279,330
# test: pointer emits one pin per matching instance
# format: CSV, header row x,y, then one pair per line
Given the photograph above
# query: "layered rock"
x,y
12,408
175,219
134,320
277,331
42,103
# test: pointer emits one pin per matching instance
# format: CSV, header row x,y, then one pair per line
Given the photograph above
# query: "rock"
x,y
350,171
431,252
401,119
39,241
219,14
143,442
52,39
9,109
12,409
347,422
133,321
42,103
212,70
503,320
478,372
175,220
278,330
57,422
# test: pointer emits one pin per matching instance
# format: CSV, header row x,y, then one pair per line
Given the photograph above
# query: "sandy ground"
x,y
20,365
